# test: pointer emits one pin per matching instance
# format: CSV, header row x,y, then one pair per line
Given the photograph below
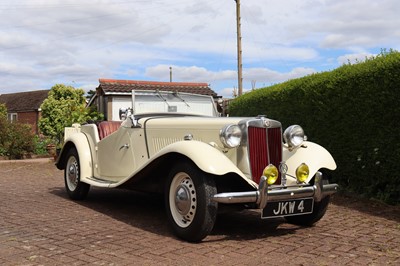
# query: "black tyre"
x,y
76,189
188,194
310,219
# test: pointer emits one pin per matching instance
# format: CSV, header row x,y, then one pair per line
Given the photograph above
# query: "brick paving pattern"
x,y
39,225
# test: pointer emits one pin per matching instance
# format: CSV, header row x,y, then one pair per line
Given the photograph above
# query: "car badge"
x,y
265,122
283,168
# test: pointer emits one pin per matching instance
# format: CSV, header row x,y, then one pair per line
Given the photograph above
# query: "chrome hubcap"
x,y
182,199
72,174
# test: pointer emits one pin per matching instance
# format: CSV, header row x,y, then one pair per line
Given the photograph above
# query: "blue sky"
x,y
74,42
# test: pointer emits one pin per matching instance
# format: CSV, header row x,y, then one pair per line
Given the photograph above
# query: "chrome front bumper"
x,y
263,195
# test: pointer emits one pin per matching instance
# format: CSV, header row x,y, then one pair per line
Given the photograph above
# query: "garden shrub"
x,y
16,139
40,144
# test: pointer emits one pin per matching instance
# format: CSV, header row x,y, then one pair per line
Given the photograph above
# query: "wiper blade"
x,y
162,98
176,94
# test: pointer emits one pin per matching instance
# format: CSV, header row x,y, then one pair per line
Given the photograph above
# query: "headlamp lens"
x,y
271,173
230,136
302,173
294,136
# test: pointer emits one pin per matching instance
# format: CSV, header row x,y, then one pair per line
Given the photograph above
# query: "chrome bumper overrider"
x,y
318,191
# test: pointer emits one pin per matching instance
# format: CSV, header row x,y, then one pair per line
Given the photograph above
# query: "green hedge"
x,y
353,111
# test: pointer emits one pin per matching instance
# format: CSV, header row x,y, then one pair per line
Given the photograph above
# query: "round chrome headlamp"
x,y
294,136
230,136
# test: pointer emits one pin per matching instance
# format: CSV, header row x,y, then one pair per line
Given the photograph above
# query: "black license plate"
x,y
288,207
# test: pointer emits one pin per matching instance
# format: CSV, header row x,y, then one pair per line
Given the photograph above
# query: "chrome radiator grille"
x,y
265,147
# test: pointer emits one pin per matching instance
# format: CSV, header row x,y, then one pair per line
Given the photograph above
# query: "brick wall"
x,y
29,118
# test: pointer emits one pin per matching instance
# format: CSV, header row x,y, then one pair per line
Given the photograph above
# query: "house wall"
x,y
117,103
109,108
31,118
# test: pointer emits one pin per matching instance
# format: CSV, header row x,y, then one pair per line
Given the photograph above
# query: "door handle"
x,y
126,146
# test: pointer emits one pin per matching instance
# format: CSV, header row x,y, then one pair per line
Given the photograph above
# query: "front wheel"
x,y
76,189
310,219
319,210
188,198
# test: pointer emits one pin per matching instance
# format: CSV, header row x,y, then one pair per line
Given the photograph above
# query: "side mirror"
x,y
125,113
122,113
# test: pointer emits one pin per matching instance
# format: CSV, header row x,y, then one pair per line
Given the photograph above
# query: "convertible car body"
x,y
177,145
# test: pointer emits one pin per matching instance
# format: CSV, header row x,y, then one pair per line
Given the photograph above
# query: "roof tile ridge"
x,y
144,82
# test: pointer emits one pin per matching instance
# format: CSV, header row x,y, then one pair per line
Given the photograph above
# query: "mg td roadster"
x,y
176,144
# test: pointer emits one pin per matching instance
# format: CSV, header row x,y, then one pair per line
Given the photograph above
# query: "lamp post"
x,y
239,48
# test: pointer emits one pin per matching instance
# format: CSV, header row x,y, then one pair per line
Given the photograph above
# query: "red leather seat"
x,y
108,127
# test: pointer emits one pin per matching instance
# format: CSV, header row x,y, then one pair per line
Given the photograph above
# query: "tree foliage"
x,y
64,106
90,94
3,110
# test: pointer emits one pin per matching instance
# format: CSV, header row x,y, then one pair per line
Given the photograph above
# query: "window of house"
x,y
12,117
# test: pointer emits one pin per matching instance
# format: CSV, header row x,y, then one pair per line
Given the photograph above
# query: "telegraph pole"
x,y
239,48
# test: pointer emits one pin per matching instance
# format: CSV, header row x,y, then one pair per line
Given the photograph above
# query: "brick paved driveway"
x,y
39,225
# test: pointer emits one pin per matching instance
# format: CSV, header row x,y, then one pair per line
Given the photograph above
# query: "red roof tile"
x,y
112,85
24,101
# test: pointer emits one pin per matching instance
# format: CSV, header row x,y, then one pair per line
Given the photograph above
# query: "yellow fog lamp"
x,y
271,173
302,173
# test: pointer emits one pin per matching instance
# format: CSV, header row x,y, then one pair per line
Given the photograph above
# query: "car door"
x,y
115,155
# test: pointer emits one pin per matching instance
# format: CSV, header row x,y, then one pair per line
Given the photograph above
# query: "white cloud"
x,y
77,42
358,24
262,77
354,58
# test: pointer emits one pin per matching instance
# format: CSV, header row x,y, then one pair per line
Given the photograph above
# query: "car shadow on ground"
x,y
248,225
368,206
147,212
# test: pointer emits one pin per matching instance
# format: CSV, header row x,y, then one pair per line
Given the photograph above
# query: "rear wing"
x,y
68,131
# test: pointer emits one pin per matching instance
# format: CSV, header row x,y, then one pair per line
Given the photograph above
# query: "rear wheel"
x,y
188,198
76,189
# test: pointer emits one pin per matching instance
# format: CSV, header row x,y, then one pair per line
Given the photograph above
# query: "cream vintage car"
x,y
177,145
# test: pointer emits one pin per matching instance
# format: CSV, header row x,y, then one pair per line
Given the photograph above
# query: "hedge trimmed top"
x,y
353,111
